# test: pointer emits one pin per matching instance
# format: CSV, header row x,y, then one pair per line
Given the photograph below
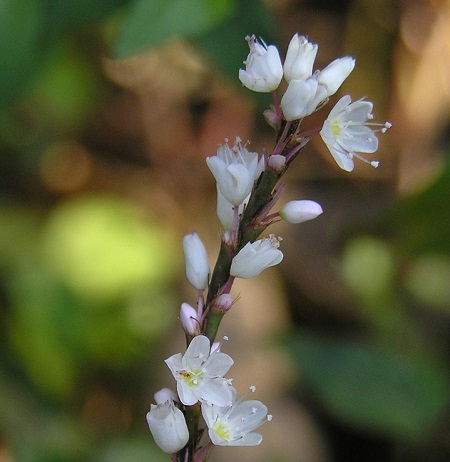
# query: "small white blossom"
x,y
168,426
233,425
300,58
199,374
197,266
300,211
302,97
263,69
235,170
307,91
189,319
333,76
255,257
346,132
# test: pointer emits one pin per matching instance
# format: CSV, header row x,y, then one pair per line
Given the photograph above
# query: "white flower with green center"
x,y
199,374
233,425
347,132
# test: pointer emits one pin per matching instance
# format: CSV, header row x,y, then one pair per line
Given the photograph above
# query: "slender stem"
x,y
200,304
192,415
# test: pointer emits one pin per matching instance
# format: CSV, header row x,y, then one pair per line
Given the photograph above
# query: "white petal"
x,y
216,391
249,439
218,364
197,352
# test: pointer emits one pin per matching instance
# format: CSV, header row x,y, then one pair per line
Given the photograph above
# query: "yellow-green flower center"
x,y
191,377
222,430
336,127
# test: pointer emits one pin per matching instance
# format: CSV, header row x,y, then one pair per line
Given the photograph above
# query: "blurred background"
x,y
107,112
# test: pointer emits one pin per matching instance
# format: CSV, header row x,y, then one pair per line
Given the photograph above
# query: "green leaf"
x,y
65,16
21,24
419,223
374,389
151,22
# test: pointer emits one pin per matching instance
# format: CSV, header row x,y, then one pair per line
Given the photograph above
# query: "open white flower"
x,y
199,374
233,425
255,257
346,132
168,426
263,69
235,170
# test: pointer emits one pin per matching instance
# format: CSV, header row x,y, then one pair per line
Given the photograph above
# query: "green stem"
x,y
192,416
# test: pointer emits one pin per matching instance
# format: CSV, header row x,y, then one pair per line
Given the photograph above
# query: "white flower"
x,y
199,374
197,266
233,425
333,76
300,58
307,91
302,97
346,132
263,69
168,426
255,257
235,170
189,319
300,211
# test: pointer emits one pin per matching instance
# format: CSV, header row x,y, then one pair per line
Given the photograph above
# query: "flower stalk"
x,y
248,189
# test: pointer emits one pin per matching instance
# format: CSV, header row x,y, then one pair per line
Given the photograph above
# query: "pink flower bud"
x,y
223,302
189,321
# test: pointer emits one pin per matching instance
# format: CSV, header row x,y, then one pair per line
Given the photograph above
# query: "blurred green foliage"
x,y
394,381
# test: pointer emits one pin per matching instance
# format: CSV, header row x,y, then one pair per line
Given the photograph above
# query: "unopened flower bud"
x,y
189,321
277,162
223,302
333,76
272,118
300,58
168,427
300,211
197,266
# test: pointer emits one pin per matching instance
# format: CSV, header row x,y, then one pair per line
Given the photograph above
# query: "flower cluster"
x,y
199,375
248,189
346,131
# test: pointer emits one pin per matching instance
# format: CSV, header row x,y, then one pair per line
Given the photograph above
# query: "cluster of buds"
x,y
248,189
